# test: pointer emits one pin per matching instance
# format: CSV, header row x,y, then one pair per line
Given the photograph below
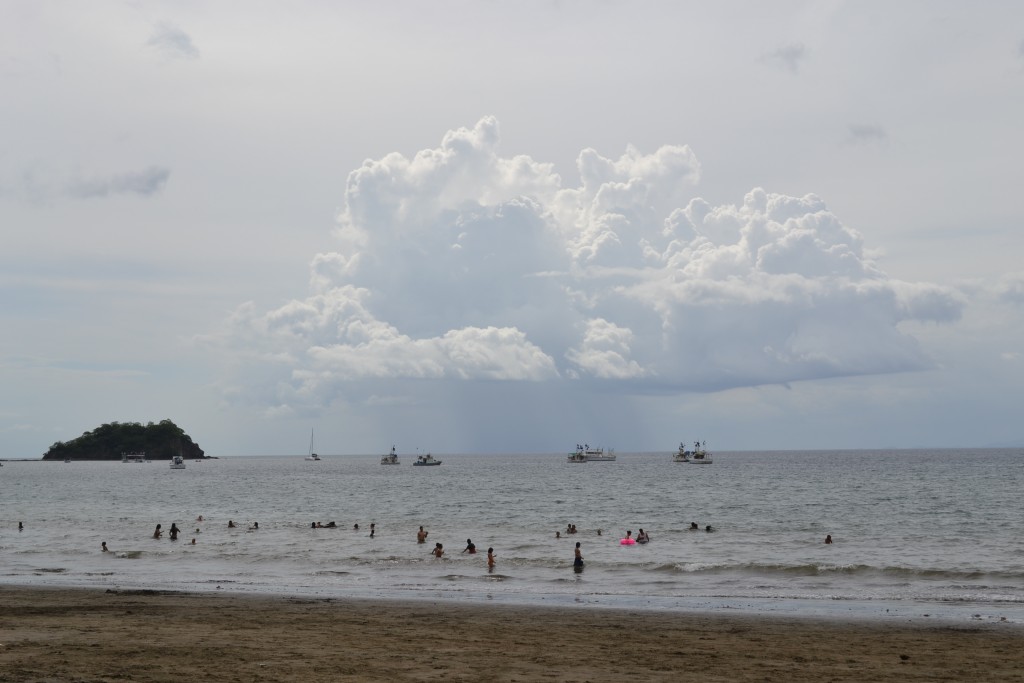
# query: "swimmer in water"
x,y
828,538
438,550
642,537
490,558
231,525
577,562
694,527
470,547
421,536
103,547
157,533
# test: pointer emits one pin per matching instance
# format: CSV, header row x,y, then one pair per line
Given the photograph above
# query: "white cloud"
x,y
459,264
604,352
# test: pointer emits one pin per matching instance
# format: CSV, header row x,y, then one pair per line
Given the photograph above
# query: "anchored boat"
x,y
698,456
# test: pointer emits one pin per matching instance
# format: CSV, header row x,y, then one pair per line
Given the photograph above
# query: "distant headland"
x,y
160,441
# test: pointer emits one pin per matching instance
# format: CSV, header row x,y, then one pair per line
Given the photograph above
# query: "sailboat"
x,y
312,454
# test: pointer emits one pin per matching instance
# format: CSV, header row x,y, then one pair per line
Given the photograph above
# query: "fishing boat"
x,y
312,454
577,456
426,460
592,454
698,456
134,457
391,458
177,463
599,455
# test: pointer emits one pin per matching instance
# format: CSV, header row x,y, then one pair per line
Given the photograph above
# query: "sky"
x,y
476,227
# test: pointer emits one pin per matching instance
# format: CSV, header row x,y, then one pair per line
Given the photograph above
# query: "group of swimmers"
x,y
470,548
642,537
173,532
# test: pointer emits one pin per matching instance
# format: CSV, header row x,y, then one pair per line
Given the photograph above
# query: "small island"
x,y
159,441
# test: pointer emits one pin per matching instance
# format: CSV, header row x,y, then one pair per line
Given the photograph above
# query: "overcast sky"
x,y
513,227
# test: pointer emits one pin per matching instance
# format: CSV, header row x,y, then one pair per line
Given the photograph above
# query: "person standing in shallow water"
x,y
577,563
421,536
490,559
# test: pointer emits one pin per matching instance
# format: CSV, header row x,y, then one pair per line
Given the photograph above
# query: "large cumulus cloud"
x,y
462,264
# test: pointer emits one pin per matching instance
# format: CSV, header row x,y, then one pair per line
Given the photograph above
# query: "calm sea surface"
x,y
916,532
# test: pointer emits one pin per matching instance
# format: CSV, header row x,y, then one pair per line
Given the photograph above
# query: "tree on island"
x,y
160,441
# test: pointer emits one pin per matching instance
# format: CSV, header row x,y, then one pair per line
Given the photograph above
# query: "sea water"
x,y
917,533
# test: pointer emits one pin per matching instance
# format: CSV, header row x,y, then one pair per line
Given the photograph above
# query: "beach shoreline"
x,y
151,635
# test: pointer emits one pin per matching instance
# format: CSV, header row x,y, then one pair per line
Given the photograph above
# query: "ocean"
x,y
918,534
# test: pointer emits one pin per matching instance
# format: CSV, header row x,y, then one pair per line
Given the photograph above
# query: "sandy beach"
x,y
96,635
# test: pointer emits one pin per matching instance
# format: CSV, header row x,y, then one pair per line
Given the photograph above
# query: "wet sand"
x,y
93,635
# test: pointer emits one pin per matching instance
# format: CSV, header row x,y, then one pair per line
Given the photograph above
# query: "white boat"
x,y
312,455
698,456
577,456
591,454
177,463
426,460
391,458
134,457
